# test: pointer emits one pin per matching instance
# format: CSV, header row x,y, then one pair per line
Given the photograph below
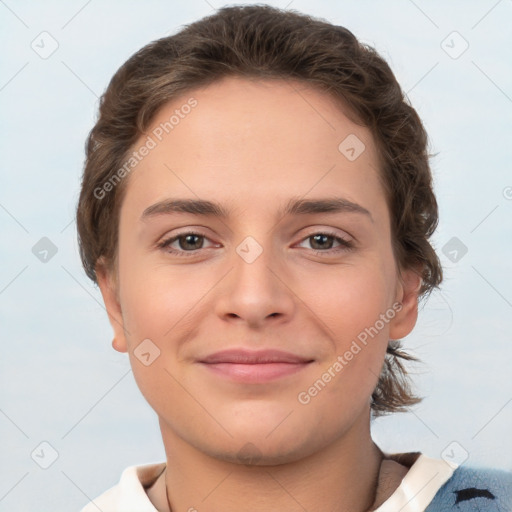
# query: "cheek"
x,y
152,307
150,299
351,309
349,299
155,316
354,309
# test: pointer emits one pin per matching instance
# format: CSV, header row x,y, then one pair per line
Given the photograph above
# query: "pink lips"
x,y
254,366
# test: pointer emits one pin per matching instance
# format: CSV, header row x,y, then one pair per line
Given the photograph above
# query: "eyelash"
x,y
164,244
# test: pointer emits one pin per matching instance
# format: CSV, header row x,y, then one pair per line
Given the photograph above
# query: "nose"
x,y
258,288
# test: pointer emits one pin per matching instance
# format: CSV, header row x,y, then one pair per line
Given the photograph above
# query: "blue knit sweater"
x,y
474,489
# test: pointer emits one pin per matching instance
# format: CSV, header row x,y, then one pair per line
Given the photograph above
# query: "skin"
x,y
252,146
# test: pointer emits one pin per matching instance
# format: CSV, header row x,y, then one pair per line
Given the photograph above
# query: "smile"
x,y
256,372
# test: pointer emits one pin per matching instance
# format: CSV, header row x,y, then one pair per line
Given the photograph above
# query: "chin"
x,y
260,443
263,453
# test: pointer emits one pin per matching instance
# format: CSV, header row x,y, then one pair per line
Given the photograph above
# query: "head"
x,y
259,113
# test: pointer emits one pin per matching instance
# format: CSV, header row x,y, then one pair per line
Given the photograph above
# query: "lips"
x,y
254,367
240,356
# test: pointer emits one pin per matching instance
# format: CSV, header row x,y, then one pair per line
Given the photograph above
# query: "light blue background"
x,y
62,382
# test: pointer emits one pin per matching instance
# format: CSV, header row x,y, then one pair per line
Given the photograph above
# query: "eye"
x,y
188,242
322,243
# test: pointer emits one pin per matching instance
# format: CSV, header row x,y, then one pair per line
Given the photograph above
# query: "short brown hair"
x,y
264,42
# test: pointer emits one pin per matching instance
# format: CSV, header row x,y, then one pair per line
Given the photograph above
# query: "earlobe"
x,y
120,347
407,294
108,288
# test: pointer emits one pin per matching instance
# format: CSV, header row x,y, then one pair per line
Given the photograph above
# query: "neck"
x,y
340,477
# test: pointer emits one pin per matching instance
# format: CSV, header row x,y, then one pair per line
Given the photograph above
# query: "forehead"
x,y
252,141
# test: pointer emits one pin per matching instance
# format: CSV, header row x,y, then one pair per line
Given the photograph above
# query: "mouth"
x,y
254,366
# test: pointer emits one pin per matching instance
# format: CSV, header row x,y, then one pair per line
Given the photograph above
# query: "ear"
x,y
109,290
408,289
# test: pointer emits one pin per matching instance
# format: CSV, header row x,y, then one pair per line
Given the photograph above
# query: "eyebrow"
x,y
294,206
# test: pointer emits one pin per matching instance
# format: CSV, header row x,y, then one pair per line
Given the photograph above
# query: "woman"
x,y
256,209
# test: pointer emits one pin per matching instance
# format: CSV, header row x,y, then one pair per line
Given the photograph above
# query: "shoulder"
x,y
474,488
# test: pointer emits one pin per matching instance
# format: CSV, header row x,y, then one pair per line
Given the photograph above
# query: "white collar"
x,y
416,490
419,486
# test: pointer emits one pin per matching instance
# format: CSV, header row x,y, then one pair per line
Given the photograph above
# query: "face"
x,y
301,262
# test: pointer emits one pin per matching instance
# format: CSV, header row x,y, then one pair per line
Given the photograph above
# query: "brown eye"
x,y
323,242
186,243
190,241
